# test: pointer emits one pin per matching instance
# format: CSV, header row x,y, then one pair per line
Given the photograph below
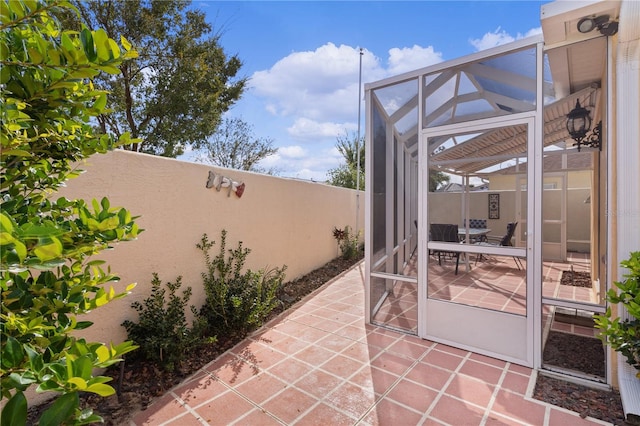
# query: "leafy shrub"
x,y
47,279
624,336
348,242
237,301
162,332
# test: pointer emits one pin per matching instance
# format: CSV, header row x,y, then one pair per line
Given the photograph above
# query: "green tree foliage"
x,y
234,146
437,178
46,276
346,175
172,95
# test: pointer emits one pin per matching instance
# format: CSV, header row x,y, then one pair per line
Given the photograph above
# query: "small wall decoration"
x,y
218,181
494,206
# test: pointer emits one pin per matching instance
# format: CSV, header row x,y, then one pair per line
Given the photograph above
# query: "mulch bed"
x,y
143,382
585,355
571,351
576,279
588,402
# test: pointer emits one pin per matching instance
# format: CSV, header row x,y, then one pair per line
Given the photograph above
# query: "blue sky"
x,y
302,61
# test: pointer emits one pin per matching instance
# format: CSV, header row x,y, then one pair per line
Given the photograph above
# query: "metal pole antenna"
x,y
358,144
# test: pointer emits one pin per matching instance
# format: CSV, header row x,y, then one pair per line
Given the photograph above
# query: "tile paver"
x,y
320,364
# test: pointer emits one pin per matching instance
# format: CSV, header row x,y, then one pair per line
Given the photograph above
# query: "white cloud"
x,y
320,85
311,165
292,151
316,94
412,58
533,31
305,128
500,37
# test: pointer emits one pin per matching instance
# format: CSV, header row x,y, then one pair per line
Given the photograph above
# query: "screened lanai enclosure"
x,y
485,222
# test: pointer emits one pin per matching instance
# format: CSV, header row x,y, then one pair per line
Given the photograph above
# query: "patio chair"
x,y
445,232
504,241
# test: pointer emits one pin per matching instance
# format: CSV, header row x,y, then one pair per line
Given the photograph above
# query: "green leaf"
x,y
81,325
109,223
101,300
22,381
60,411
6,224
100,103
35,56
15,412
32,5
104,203
48,249
17,8
79,383
102,45
5,72
16,153
103,354
12,353
87,43
20,249
110,69
35,359
115,49
82,367
101,389
30,231
6,238
125,43
48,385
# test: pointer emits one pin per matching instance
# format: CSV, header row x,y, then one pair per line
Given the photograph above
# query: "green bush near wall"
x,y
237,300
624,335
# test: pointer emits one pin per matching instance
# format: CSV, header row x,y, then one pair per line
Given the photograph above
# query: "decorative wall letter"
x,y
218,181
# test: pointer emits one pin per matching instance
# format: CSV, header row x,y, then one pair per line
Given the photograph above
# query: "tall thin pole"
x,y
358,144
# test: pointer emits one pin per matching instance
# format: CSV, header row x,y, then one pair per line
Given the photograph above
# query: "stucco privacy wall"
x,y
283,222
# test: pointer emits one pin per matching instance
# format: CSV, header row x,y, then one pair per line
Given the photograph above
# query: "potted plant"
x,y
624,335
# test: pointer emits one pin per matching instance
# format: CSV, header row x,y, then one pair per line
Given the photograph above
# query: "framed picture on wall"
x,y
494,206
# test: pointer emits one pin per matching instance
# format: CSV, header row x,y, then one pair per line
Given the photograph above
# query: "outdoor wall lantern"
x,y
578,125
602,23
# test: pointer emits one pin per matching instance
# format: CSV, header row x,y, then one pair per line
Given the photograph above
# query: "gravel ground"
x,y
599,404
573,352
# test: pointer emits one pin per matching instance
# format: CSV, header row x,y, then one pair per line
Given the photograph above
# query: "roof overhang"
x,y
560,19
575,65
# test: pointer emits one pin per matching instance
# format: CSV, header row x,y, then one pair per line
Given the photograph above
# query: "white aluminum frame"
x,y
489,332
533,249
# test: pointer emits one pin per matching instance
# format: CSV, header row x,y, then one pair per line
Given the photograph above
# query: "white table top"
x,y
474,231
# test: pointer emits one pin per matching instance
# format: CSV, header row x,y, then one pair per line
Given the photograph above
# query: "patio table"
x,y
475,234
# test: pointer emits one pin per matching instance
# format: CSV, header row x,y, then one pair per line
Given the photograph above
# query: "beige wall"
x,y
446,207
283,222
575,179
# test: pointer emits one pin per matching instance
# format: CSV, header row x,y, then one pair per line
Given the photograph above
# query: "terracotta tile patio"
x,y
320,364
